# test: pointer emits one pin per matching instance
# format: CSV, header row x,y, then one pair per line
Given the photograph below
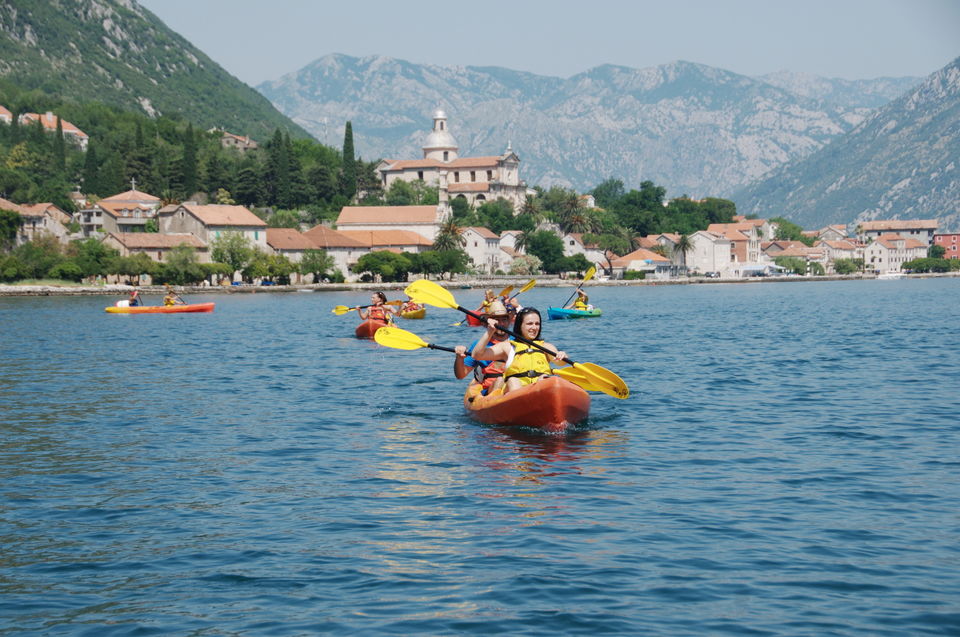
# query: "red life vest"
x,y
378,313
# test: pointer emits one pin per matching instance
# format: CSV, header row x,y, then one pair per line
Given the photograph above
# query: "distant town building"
x,y
229,140
49,122
423,220
888,252
919,229
949,243
155,245
5,115
209,222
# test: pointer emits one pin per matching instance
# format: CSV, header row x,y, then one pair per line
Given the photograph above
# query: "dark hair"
x,y
383,297
519,320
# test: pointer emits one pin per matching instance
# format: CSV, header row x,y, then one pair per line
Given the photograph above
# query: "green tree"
x,y
847,266
232,248
613,245
93,257
316,262
383,264
525,265
182,267
608,193
188,163
683,247
348,167
789,231
284,219
59,148
547,247
792,264
936,251
10,223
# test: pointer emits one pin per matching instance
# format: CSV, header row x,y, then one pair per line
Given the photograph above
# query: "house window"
x,y
456,177
571,241
489,175
446,155
420,175
256,235
217,233
159,256
473,175
475,244
441,125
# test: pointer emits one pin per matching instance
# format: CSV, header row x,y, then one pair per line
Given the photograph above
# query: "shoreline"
x,y
116,289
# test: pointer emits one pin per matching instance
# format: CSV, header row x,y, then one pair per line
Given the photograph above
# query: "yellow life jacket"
x,y
528,363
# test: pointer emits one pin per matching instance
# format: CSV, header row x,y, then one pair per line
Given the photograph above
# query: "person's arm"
x,y
483,352
364,314
460,367
555,358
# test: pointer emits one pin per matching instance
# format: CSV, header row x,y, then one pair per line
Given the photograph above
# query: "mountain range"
x,y
117,52
903,162
691,128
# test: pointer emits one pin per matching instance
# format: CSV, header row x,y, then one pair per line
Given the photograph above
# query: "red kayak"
x,y
474,322
369,327
551,404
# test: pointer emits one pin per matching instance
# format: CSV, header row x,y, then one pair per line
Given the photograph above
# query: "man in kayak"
x,y
378,310
172,298
582,302
488,373
134,298
525,364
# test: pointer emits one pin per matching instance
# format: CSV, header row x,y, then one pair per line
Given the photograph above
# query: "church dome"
x,y
439,139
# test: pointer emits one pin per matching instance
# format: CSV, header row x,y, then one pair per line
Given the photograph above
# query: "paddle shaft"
x,y
574,293
515,335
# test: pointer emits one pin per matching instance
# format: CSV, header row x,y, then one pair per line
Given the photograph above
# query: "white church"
x,y
476,179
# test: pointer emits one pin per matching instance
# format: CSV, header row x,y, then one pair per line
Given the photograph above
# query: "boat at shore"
x,y
557,313
160,309
552,404
368,328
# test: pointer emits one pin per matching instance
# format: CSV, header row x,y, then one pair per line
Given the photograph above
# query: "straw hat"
x,y
496,309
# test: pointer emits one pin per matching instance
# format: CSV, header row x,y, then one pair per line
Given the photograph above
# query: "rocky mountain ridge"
x,y
692,128
903,162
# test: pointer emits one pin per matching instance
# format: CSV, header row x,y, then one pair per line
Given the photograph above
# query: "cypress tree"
x,y
189,163
91,171
348,169
59,149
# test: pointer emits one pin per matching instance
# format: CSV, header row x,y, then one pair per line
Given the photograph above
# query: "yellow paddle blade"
x,y
603,380
398,339
505,291
575,377
341,310
528,286
590,273
423,291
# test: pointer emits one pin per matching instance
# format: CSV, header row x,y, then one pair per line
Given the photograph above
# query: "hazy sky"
x,y
256,40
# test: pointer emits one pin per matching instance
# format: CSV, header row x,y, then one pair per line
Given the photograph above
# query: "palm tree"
x,y
449,237
684,245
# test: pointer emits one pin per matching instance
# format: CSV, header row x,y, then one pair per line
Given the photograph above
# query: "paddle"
x,y
340,310
505,291
402,339
428,292
586,277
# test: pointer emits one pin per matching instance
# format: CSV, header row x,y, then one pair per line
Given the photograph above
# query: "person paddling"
x,y
172,298
378,310
134,298
582,301
488,373
524,363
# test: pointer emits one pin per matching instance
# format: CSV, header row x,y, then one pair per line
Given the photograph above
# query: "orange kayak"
x,y
161,309
368,328
551,404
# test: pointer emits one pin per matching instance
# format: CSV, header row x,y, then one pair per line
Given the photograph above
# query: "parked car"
x,y
712,275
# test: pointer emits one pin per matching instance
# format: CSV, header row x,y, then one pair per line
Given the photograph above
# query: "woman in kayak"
x,y
525,364
379,310
410,306
488,373
172,298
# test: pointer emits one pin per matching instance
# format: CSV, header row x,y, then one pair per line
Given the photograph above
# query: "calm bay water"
x,y
787,464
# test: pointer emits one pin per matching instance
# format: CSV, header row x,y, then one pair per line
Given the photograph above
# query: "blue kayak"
x,y
555,313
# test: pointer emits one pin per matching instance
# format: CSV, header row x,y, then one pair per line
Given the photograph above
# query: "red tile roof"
x,y
387,238
221,215
897,224
132,196
324,238
388,215
288,239
156,240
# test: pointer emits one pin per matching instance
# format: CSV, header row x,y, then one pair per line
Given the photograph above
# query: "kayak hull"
x,y
161,309
414,314
474,322
551,404
368,328
559,313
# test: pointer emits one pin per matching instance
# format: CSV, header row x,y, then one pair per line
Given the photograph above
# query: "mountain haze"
x,y
117,52
901,163
692,128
